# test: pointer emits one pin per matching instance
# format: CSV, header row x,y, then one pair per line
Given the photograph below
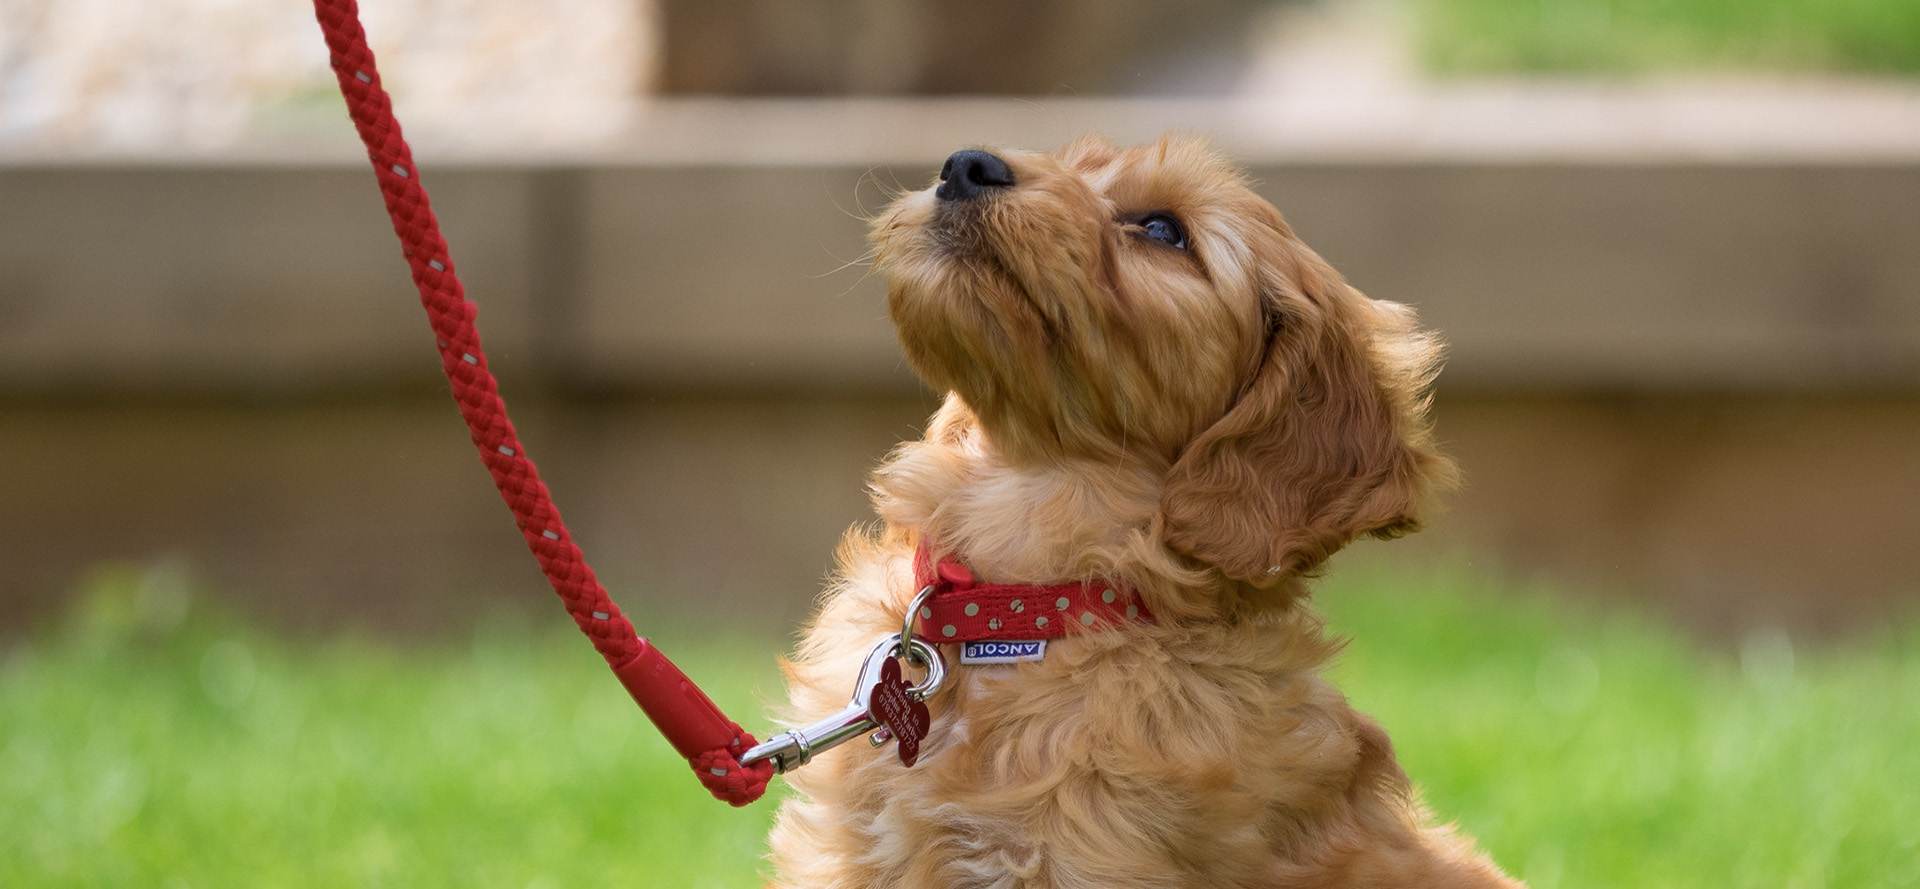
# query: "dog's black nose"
x,y
969,174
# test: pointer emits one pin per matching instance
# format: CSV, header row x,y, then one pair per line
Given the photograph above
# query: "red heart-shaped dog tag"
x,y
905,718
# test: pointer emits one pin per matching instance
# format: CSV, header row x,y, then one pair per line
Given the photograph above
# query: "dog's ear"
x,y
1327,441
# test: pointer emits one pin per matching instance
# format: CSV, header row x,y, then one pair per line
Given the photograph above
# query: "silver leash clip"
x,y
792,749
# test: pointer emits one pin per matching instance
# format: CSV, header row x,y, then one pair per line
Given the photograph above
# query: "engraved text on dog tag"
x,y
906,719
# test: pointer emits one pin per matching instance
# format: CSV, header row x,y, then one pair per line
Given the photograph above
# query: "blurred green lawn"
x,y
147,743
1634,36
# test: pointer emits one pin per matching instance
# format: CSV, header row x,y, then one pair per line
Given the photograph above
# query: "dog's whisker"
x,y
896,191
863,259
858,212
888,193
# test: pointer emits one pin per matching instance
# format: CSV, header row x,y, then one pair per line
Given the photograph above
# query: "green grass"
x,y
146,745
1639,36
1593,748
138,752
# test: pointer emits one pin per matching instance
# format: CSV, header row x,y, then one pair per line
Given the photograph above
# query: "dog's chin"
x,y
1029,346
954,338
965,323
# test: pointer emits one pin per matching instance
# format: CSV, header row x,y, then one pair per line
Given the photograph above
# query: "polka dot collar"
x,y
963,609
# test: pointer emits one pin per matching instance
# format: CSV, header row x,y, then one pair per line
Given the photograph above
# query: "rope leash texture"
x,y
690,721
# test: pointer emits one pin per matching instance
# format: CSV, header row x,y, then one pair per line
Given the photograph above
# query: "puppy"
x,y
1155,388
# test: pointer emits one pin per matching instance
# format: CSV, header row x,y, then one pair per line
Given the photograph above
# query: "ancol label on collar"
x,y
987,651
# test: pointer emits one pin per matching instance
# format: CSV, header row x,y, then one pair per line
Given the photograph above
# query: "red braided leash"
x,y
689,720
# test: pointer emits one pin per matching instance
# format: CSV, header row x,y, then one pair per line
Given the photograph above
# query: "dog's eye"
x,y
1162,228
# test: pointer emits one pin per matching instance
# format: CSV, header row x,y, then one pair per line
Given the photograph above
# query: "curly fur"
x,y
1206,425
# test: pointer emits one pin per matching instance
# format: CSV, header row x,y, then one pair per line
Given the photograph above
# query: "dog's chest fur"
x,y
1142,757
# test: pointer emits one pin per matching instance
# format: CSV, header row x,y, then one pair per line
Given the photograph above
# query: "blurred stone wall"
x,y
1697,385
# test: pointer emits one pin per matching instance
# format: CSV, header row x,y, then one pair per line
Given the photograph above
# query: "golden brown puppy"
x,y
1155,385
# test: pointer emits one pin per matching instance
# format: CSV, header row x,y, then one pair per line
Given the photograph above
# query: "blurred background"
x,y
1674,245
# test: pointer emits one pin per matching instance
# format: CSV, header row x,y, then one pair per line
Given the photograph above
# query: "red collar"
x,y
962,609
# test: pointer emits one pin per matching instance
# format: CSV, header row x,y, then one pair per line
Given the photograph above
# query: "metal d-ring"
x,y
921,653
906,626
